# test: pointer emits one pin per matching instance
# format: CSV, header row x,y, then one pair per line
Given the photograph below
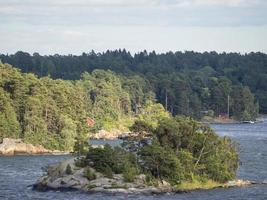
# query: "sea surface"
x,y
19,172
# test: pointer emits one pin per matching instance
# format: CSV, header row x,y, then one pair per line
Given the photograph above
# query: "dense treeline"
x,y
185,83
41,111
54,112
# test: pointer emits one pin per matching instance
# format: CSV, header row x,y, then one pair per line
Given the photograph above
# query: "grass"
x,y
122,124
194,185
91,186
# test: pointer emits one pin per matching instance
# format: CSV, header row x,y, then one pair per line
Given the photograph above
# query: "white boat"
x,y
248,122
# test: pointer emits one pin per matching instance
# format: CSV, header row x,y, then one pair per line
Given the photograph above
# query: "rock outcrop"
x,y
11,147
107,135
58,179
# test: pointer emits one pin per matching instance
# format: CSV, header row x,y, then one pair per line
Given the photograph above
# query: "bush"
x,y
110,160
161,162
107,171
80,162
68,169
130,173
89,174
150,179
91,186
199,150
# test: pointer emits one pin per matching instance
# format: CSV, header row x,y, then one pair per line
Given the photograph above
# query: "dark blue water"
x,y
17,173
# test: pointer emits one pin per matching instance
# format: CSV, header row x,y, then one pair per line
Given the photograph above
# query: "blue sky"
x,y
76,26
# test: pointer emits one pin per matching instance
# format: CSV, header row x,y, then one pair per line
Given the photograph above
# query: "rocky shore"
x,y
59,177
10,147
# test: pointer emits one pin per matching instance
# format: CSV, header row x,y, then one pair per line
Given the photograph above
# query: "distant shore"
x,y
12,147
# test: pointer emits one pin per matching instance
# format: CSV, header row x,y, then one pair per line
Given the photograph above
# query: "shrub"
x,y
89,174
107,171
80,162
130,173
110,160
150,179
91,186
68,169
161,162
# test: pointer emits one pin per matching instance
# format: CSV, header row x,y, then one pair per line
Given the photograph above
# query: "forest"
x,y
186,83
54,112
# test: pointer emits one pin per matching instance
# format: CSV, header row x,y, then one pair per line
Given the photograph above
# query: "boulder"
x,y
107,135
56,178
238,183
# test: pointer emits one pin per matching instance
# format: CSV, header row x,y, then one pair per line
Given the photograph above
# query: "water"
x,y
103,142
17,173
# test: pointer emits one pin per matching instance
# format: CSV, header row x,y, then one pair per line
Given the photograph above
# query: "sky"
x,y
76,26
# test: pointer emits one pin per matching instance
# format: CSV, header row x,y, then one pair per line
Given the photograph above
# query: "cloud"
x,y
66,25
219,2
80,3
119,3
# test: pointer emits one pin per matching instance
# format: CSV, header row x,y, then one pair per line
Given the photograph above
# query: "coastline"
x,y
16,147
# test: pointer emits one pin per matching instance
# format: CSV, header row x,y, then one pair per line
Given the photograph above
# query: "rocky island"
x,y
67,175
177,155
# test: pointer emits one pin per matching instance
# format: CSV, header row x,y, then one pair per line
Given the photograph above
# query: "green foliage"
x,y
180,150
68,133
80,162
42,111
244,106
191,82
152,113
91,186
68,170
110,160
9,126
161,162
150,179
197,144
140,132
107,171
109,100
183,149
129,173
89,174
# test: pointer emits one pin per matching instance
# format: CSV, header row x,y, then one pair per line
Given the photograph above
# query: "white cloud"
x,y
14,6
100,38
227,2
80,3
197,3
100,3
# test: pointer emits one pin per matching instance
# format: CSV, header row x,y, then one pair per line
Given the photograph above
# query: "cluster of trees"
x,y
190,151
176,150
41,111
54,112
186,83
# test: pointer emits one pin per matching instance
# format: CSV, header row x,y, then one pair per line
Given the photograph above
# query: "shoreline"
x,y
14,147
58,179
36,154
